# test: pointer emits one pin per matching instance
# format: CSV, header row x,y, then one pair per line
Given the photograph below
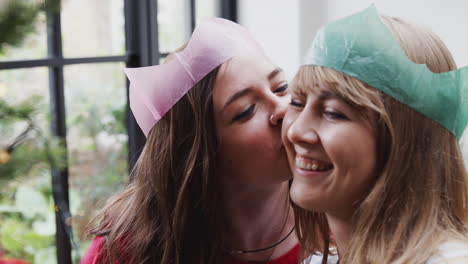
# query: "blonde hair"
x,y
419,198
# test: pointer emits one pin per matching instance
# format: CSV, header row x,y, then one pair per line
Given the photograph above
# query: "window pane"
x,y
34,45
93,28
173,24
27,216
18,86
97,138
206,8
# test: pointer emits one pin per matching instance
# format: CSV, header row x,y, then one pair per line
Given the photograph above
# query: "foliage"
x,y
27,214
17,19
97,163
9,114
26,228
38,152
28,225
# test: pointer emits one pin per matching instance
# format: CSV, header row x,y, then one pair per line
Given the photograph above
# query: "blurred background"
x,y
67,139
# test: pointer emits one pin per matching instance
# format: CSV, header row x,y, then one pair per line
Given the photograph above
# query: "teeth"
x,y
313,165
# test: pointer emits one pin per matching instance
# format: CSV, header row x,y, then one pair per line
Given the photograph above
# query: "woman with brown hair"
x,y
212,182
371,136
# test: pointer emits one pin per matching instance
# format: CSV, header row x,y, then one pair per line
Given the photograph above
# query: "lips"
x,y
313,164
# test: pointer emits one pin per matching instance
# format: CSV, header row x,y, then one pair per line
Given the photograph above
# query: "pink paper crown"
x,y
154,90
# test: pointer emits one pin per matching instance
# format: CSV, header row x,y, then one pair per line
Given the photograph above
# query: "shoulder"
x,y
92,254
317,259
450,252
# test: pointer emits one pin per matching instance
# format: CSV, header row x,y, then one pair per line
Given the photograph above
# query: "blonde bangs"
x,y
352,91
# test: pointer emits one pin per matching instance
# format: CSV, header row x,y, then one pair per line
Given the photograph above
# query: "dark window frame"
x,y
142,49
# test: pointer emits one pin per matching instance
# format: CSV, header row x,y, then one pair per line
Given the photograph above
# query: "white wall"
x,y
448,19
275,24
286,27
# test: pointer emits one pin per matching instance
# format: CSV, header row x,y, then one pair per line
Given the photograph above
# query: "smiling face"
x,y
331,151
249,90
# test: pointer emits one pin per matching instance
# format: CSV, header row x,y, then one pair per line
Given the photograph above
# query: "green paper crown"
x,y
363,47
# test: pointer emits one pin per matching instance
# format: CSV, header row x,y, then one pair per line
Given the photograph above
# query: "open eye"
x,y
244,114
282,89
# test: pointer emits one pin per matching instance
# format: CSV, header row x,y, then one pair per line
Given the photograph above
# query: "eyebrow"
x,y
236,96
324,95
248,90
327,95
273,73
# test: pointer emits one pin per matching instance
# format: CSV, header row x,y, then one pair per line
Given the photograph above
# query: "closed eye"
x,y
335,115
282,89
296,103
244,114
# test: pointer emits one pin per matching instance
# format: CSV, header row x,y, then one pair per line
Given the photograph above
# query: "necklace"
x,y
231,252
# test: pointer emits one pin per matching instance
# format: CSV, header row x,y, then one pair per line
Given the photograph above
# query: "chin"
x,y
303,199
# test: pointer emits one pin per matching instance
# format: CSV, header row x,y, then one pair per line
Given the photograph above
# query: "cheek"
x,y
288,120
250,158
251,139
362,148
368,168
353,146
355,159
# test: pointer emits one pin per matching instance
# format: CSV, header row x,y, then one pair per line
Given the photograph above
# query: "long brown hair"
x,y
420,195
169,212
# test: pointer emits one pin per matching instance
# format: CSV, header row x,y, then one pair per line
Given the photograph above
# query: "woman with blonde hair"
x,y
372,136
212,182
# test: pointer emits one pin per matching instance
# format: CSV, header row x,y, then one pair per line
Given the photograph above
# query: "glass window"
x,y
205,9
97,139
34,46
21,85
173,24
27,217
93,28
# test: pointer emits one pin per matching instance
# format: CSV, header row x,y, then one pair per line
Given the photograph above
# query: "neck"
x,y
341,228
257,218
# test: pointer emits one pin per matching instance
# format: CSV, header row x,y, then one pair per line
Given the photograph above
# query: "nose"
x,y
302,130
280,107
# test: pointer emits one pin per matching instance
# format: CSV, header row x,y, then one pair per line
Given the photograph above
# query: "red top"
x,y
12,261
292,257
91,255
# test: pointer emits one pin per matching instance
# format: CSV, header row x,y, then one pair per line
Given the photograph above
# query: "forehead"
x,y
311,88
244,71
323,92
248,66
